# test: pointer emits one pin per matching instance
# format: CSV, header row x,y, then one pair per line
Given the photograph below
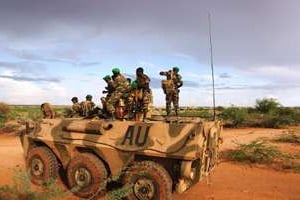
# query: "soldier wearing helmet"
x,y
109,88
171,88
143,91
76,108
88,105
120,87
108,91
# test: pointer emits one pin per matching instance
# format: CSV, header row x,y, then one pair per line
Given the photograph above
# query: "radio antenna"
x,y
212,64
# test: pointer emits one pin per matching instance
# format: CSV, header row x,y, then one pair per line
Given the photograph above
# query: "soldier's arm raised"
x,y
163,73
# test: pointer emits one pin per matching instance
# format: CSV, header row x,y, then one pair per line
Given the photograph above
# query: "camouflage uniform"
x,y
172,95
48,112
120,86
144,91
87,106
76,108
108,91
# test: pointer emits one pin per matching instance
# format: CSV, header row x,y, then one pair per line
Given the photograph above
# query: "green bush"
x,y
281,117
4,113
2,122
21,189
267,105
258,152
269,113
119,194
289,138
35,115
206,115
4,108
291,113
291,166
275,121
197,113
26,112
254,152
236,116
52,190
251,110
14,115
220,108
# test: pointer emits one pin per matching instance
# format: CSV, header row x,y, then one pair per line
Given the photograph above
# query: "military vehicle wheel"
x,y
42,165
87,175
149,181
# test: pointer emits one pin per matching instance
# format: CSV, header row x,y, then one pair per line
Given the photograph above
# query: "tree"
x,y
267,105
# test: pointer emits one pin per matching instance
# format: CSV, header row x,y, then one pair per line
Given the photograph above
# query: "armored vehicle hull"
x,y
155,158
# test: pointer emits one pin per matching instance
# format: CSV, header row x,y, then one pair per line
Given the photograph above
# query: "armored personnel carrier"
x,y
155,158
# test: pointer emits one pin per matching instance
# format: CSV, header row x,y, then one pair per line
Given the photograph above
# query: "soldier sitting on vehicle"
x,y
171,88
76,108
87,106
47,110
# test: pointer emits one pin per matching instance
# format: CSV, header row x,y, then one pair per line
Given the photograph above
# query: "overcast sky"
x,y
53,50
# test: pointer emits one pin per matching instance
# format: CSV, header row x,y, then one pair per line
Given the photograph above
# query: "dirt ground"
x,y
231,180
228,181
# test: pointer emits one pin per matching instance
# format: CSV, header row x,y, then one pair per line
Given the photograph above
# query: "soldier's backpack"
x,y
167,86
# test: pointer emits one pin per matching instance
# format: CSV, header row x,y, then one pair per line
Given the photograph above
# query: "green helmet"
x,y
176,69
89,97
134,85
116,70
107,77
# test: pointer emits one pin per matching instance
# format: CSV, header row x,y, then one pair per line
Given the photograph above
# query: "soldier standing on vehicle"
x,y
76,108
47,110
88,105
120,86
171,88
144,91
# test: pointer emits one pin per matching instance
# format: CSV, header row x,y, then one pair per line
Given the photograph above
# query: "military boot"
x,y
176,112
168,112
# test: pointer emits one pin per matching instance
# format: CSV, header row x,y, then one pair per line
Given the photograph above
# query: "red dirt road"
x,y
229,181
11,157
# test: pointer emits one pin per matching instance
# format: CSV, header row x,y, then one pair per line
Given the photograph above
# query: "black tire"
x,y
42,165
149,181
87,176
